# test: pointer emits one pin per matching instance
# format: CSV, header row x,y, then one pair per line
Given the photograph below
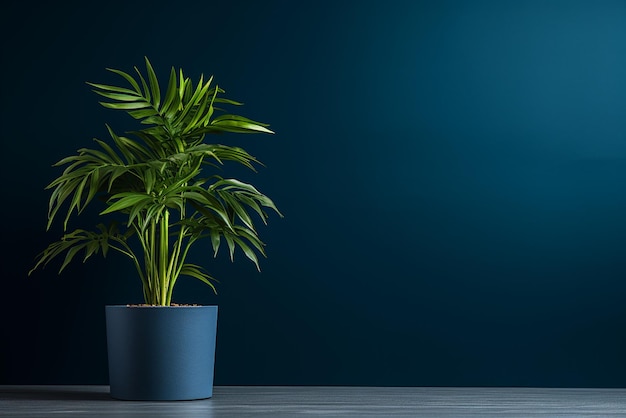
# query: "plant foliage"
x,y
156,178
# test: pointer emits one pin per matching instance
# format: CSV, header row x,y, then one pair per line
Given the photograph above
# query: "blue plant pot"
x,y
161,353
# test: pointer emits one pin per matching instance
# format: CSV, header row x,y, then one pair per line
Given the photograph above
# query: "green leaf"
x,y
252,237
118,96
116,89
240,126
125,200
114,157
196,272
248,252
126,106
146,89
182,83
236,206
215,241
253,204
143,113
171,95
154,84
128,78
191,105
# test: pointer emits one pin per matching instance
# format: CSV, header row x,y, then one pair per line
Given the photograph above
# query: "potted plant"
x,y
153,185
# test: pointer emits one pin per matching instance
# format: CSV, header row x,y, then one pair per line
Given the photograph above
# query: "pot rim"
x,y
160,306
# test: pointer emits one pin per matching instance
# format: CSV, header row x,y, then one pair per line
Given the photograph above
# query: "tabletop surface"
x,y
327,401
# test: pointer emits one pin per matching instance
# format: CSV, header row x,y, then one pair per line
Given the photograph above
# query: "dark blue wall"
x,y
452,175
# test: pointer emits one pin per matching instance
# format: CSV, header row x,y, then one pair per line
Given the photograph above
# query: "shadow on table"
x,y
83,393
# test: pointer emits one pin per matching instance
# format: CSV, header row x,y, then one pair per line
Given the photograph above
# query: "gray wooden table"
x,y
296,401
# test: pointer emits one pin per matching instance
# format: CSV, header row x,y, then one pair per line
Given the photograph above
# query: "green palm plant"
x,y
155,177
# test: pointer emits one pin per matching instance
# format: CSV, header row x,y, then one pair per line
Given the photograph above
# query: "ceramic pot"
x,y
161,352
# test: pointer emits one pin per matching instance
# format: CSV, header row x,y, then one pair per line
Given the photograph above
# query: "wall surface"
x,y
452,176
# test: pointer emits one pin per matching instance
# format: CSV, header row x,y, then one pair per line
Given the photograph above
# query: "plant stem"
x,y
164,247
150,258
176,262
